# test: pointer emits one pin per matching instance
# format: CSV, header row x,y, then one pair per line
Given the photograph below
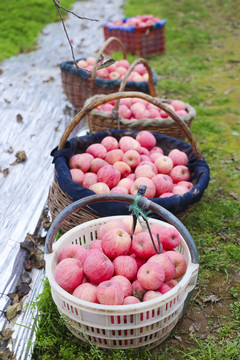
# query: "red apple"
x,y
178,157
180,173
98,267
166,263
163,164
81,161
125,284
129,143
132,158
77,175
109,225
151,275
146,139
96,244
163,183
151,189
110,143
178,105
116,242
89,179
128,300
126,182
178,261
109,175
69,273
110,293
144,171
142,245
179,190
151,294
99,188
113,156
128,220
97,150
164,288
87,292
170,238
125,265
138,289
96,164
186,184
82,63
76,251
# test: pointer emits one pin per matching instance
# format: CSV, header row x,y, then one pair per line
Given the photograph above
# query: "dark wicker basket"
x,y
79,85
99,120
144,42
64,190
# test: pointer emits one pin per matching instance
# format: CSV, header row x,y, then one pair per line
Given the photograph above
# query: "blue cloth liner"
x,y
175,204
106,83
133,28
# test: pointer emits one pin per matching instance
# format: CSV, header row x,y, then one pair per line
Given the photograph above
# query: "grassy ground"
x,y
21,22
200,66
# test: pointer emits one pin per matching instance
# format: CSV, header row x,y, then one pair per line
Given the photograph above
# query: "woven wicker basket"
x,y
147,41
58,198
79,85
98,120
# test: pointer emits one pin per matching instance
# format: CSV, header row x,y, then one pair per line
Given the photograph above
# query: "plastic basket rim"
x,y
118,309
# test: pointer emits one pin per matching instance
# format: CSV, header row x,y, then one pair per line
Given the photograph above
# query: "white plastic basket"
x,y
120,326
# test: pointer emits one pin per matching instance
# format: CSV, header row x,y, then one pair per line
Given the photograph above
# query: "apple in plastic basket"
x,y
179,262
109,175
178,157
132,158
166,263
180,173
139,261
96,244
128,300
110,143
163,183
163,164
128,220
151,189
76,251
116,242
156,229
87,292
98,267
110,293
142,245
69,273
146,139
125,265
110,224
151,275
170,238
138,289
77,175
165,288
125,284
151,294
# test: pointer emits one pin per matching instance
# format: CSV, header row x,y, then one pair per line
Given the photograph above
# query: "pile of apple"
x,y
138,21
137,109
122,166
116,270
116,70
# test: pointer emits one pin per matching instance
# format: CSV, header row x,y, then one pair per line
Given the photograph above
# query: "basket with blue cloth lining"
x,y
78,84
63,190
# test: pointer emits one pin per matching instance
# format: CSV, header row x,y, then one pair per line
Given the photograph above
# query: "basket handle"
x,y
144,203
101,51
101,99
125,79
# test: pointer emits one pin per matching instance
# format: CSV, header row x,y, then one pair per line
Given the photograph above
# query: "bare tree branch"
x,y
58,7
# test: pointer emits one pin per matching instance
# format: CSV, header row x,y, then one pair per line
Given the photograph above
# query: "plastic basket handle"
x,y
101,99
101,51
125,79
144,203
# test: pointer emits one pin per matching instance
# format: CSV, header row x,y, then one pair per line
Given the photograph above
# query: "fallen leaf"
x,y
6,334
13,310
234,195
26,278
22,289
21,157
195,327
211,298
5,172
10,150
19,118
7,354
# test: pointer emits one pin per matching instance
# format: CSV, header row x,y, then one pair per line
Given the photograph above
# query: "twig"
x,y
58,7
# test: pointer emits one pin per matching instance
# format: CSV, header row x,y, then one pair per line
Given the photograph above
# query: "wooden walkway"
x,y
33,118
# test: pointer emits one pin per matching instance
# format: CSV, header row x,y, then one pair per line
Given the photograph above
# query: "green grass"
x,y
200,66
21,22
